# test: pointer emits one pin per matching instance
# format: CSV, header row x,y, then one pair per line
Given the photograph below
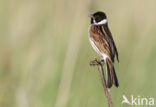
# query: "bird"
x,y
102,42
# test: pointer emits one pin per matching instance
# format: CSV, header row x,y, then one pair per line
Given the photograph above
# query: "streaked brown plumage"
x,y
102,41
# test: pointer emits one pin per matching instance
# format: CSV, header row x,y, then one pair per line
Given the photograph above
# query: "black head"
x,y
98,17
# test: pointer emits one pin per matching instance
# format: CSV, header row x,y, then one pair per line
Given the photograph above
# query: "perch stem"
x,y
100,68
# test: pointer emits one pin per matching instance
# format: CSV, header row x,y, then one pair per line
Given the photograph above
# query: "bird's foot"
x,y
102,61
96,62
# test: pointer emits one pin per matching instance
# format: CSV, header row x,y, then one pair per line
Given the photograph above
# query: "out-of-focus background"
x,y
45,52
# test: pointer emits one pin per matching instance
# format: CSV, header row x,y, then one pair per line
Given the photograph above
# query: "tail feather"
x,y
116,83
111,75
109,80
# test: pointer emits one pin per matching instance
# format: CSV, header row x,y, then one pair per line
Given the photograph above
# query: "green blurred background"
x,y
45,52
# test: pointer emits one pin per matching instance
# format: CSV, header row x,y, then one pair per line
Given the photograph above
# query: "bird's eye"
x,y
97,19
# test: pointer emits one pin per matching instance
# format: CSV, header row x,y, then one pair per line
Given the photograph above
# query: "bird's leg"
x,y
94,62
102,61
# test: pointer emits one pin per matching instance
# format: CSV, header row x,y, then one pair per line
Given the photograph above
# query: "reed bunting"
x,y
102,41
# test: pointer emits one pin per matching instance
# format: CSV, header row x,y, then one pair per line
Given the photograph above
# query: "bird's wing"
x,y
103,40
107,35
102,44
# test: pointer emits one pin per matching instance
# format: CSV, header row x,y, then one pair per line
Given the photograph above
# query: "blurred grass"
x,y
45,52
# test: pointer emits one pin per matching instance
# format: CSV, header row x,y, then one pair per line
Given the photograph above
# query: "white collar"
x,y
104,21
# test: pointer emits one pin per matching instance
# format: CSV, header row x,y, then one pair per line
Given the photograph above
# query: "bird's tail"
x,y
111,75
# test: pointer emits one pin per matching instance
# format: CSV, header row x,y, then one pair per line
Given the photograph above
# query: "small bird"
x,y
102,42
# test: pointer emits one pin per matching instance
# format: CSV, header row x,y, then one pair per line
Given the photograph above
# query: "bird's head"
x,y
98,18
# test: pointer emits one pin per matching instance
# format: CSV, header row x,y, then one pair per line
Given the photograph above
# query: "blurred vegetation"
x,y
45,52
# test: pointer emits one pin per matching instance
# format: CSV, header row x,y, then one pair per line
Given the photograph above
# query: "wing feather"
x,y
104,41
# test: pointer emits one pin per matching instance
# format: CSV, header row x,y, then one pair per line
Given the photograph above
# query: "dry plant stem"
x,y
100,68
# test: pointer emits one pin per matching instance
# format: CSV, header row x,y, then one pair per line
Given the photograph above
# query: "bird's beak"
x,y
91,15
